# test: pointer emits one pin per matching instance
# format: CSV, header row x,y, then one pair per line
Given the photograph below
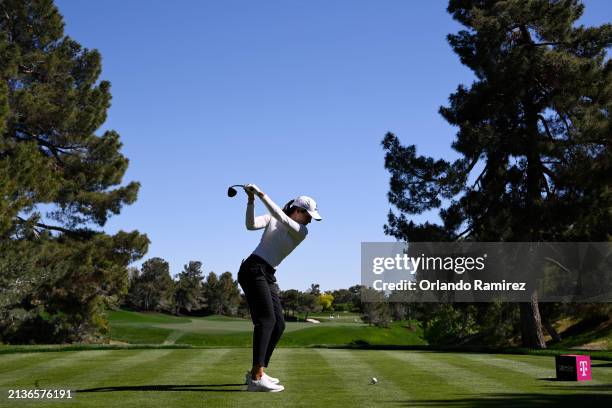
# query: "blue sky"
x,y
294,96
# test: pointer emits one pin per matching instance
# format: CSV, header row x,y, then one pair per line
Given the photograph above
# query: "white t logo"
x,y
583,368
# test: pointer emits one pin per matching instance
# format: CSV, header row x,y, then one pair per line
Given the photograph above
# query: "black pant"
x,y
256,277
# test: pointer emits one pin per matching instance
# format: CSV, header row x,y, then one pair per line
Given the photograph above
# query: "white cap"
x,y
309,205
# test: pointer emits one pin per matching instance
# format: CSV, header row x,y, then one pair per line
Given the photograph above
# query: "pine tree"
x,y
188,292
290,301
534,136
211,294
58,267
229,294
153,288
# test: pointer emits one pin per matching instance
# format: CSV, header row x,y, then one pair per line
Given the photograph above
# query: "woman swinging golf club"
x,y
284,230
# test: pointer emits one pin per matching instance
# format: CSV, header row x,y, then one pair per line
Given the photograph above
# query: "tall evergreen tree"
x,y
211,294
309,302
153,287
229,294
314,289
534,136
59,269
188,292
290,301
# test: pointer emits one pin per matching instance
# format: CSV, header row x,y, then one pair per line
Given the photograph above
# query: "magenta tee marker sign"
x,y
573,367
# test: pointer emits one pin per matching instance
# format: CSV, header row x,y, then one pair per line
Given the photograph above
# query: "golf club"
x,y
231,191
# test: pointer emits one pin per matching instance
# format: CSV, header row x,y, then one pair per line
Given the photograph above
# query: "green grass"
x,y
126,316
153,328
362,335
313,335
599,338
312,377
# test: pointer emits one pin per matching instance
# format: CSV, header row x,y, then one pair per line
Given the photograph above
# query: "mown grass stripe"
x,y
309,379
533,369
514,381
10,358
184,378
137,386
152,361
357,372
106,372
193,369
313,377
465,376
30,360
181,383
49,368
173,337
413,378
307,376
103,366
219,382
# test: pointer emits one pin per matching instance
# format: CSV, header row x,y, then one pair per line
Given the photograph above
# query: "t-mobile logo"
x,y
583,368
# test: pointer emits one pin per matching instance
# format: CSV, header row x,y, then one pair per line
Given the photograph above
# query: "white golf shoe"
x,y
272,379
263,385
247,378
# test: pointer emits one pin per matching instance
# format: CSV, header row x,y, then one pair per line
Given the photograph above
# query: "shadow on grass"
x,y
517,400
585,388
169,387
579,386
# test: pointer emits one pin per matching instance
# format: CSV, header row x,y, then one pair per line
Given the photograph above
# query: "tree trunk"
x,y
532,335
531,324
551,330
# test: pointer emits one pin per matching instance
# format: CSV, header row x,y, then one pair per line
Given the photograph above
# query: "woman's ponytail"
x,y
287,207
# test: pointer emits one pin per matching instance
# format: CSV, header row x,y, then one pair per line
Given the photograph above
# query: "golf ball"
x,y
374,380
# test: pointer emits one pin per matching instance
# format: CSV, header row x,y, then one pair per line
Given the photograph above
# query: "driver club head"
x,y
231,192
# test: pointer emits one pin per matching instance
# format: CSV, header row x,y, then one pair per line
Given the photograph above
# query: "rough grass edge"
x,y
595,354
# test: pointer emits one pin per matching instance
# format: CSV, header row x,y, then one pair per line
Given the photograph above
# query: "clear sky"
x,y
294,96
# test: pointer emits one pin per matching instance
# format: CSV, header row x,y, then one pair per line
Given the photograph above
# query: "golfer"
x,y
284,230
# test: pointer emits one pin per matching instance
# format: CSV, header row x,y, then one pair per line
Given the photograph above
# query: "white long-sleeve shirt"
x,y
282,234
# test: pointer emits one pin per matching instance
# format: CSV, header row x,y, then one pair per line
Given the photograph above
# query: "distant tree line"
x,y
313,300
152,288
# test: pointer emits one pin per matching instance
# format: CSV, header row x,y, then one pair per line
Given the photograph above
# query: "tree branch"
x,y
546,185
557,263
480,176
548,172
55,150
567,126
50,227
473,163
543,120
546,43
456,237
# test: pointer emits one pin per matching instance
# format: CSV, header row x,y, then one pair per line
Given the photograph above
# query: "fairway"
x,y
312,377
222,331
